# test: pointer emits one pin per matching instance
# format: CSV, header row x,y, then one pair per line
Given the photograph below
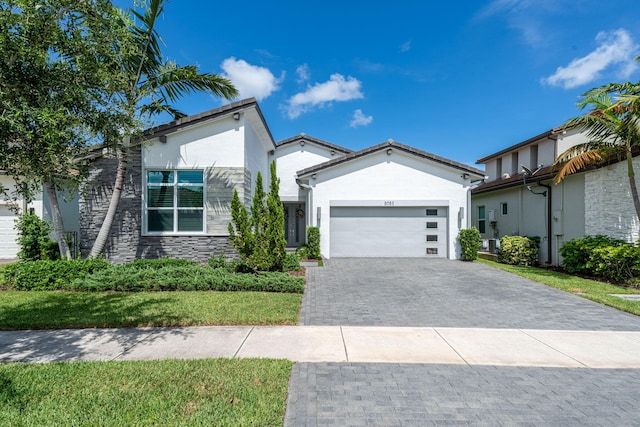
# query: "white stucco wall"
x,y
401,178
608,204
218,143
8,246
256,157
294,157
568,139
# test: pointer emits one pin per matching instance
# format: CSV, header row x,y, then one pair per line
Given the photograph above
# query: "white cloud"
x,y
303,73
359,119
251,80
406,46
615,48
337,88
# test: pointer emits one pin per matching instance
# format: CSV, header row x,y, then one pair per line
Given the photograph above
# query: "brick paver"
x,y
357,394
442,293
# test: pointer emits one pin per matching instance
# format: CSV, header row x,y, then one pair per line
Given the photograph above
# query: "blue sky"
x,y
458,79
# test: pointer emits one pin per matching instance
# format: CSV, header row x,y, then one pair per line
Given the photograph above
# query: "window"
x,y
481,220
504,208
175,201
432,237
432,251
499,168
432,212
432,225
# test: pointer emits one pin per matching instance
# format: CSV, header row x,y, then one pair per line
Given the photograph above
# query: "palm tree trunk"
x,y
105,229
632,183
58,225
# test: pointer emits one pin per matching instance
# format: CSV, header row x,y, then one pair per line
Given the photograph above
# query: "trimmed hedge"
x,y
470,243
601,256
518,250
47,275
131,278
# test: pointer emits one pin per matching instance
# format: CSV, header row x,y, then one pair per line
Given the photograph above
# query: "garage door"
x,y
388,232
8,245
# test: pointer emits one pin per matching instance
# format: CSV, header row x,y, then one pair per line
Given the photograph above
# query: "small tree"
x,y
33,238
259,239
276,242
469,243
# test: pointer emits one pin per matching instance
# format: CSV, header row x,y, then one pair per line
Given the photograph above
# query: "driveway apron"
x,y
444,293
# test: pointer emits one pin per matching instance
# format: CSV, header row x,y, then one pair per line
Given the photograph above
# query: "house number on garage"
x,y
388,203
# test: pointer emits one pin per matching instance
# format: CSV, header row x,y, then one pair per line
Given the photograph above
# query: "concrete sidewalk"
x,y
413,345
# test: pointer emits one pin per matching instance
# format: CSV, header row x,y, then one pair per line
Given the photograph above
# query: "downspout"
x,y
549,246
309,201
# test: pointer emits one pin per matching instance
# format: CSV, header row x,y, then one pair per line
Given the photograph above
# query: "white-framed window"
x,y
504,208
174,201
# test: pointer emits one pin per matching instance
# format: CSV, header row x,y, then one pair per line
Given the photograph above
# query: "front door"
x,y
294,224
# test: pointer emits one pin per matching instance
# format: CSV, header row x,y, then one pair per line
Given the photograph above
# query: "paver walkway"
x,y
441,293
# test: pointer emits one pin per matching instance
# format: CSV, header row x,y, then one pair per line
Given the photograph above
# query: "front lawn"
x,y
212,392
57,310
590,289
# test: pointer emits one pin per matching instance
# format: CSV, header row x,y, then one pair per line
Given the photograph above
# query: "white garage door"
x,y
388,232
8,245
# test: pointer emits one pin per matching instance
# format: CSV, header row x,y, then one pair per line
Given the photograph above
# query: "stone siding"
x,y
126,241
608,204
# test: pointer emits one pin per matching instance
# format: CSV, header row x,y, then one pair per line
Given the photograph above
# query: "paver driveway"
x,y
418,292
444,293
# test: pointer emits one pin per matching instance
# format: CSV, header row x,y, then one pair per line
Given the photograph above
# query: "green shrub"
x,y
160,263
259,237
51,275
128,277
291,262
33,238
576,253
518,250
469,243
313,243
616,263
221,261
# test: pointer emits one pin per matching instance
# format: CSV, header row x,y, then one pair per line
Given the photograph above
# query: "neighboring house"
x,y
9,211
510,202
387,200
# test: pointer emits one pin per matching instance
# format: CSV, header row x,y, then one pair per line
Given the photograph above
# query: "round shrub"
x,y
518,250
469,243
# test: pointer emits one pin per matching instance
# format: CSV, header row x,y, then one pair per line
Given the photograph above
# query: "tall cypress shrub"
x,y
259,238
275,223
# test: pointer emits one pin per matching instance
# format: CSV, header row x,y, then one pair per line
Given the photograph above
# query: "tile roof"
x,y
307,138
393,145
548,134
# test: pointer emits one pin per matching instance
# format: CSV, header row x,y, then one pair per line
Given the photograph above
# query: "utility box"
x,y
491,215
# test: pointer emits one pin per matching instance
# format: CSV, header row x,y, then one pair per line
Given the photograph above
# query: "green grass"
x,y
56,310
590,289
212,392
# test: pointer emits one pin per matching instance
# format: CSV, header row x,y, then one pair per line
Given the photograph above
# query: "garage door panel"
x,y
377,224
388,232
8,244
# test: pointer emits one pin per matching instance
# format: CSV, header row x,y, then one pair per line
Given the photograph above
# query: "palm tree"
x,y
613,128
153,84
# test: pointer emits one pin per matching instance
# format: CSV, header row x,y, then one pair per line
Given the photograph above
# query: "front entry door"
x,y
294,224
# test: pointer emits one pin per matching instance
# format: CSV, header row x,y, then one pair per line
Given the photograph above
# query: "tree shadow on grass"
x,y
61,313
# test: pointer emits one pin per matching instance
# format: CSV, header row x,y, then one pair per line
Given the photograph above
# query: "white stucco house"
x,y
11,208
519,198
386,200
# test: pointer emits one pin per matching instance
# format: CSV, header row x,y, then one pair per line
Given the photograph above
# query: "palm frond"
x,y
578,162
174,81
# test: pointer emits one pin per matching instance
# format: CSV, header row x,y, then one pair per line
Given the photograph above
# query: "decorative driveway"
x,y
454,294
444,293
